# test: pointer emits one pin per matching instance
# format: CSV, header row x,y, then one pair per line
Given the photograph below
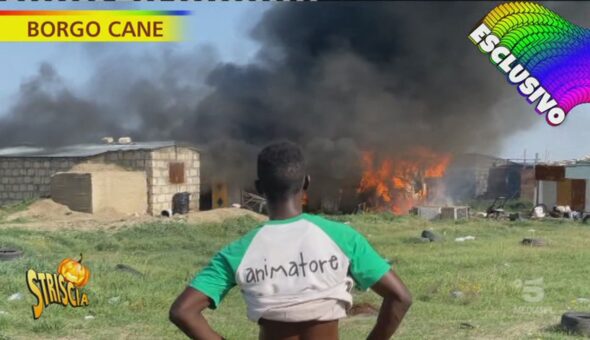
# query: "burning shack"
x,y
162,169
399,183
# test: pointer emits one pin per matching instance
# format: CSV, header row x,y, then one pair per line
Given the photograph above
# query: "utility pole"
x,y
546,155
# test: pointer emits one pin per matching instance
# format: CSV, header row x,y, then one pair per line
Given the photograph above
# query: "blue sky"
x,y
225,26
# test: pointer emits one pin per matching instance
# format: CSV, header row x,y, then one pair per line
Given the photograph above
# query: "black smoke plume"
x,y
337,78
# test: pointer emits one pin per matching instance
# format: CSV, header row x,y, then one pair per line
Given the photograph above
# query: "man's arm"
x,y
396,302
186,314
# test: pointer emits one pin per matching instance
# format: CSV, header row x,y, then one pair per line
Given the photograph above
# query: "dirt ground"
x,y
48,215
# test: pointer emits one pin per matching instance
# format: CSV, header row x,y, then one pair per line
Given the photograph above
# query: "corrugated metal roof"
x,y
84,150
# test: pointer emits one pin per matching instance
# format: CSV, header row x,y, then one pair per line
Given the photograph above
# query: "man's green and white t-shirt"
x,y
288,262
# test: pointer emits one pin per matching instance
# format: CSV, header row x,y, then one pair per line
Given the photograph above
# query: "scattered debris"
x,y
114,300
89,317
466,325
539,211
455,212
514,217
480,214
561,211
576,322
125,140
457,294
533,242
15,297
428,212
430,236
465,238
496,209
363,308
128,269
7,254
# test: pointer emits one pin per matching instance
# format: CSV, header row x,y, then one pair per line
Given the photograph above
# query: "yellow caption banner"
x,y
91,26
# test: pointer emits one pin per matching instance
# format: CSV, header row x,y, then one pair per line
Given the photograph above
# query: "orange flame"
x,y
397,183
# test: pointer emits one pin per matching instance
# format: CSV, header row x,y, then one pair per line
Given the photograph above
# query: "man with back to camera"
x,y
295,271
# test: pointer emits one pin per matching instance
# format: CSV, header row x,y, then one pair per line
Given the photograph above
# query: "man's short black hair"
x,y
281,169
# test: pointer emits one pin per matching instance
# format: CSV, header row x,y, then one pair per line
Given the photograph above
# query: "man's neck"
x,y
284,209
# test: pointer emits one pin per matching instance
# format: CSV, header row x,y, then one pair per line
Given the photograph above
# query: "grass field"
x,y
507,290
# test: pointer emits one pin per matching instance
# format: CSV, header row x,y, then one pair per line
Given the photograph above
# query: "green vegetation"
x,y
492,272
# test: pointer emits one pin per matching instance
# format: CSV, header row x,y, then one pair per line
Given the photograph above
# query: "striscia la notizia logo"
x,y
544,55
61,288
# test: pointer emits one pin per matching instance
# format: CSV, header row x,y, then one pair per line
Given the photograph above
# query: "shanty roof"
x,y
569,162
476,160
85,150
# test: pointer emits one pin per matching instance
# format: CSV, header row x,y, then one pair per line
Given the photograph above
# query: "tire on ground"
x,y
576,322
9,254
534,242
430,235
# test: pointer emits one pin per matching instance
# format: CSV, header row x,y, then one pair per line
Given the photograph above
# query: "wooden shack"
x,y
580,176
562,185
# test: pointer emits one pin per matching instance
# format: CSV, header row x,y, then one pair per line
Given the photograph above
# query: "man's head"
x,y
281,171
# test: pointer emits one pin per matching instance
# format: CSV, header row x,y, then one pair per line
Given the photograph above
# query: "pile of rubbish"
x,y
497,211
559,211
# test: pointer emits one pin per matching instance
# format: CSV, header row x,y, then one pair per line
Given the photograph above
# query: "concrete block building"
x,y
97,189
170,167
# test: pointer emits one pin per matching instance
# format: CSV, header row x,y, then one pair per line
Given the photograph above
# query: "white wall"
x,y
548,193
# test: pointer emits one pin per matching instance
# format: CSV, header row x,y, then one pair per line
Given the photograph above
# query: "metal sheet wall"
x,y
549,172
548,193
